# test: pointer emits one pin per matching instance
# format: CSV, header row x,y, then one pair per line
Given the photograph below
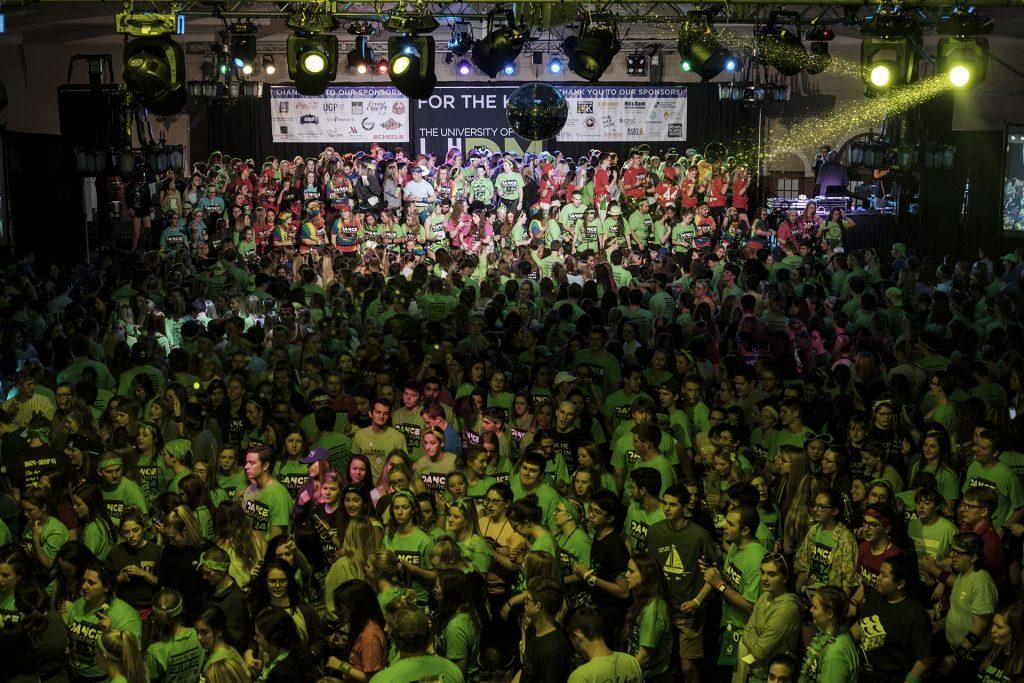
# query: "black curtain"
x,y
979,161
47,214
242,128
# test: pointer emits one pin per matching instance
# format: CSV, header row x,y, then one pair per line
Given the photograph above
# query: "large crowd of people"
x,y
378,418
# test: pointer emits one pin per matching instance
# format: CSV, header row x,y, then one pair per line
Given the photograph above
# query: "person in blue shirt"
x,y
211,204
173,236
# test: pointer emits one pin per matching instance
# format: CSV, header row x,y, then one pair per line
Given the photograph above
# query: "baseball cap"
x,y
564,377
316,455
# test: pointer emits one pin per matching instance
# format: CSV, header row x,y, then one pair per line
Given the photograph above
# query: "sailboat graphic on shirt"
x,y
673,566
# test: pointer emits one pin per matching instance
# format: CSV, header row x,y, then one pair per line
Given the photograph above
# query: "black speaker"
x,y
94,116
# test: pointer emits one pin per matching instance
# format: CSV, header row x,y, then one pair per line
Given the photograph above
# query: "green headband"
x,y
110,462
174,611
204,562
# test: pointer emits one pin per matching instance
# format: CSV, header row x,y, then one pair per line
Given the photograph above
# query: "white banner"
x,y
342,114
624,114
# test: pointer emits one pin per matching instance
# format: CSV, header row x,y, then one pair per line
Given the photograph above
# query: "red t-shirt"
x,y
740,201
667,192
869,566
600,184
717,192
634,178
689,201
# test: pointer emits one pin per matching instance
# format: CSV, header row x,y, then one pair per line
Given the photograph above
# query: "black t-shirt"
x,y
568,445
608,558
35,461
548,659
893,636
136,591
177,570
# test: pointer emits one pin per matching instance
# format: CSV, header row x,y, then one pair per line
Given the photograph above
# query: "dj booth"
x,y
872,229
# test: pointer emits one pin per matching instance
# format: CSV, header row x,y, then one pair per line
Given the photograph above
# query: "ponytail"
x,y
122,648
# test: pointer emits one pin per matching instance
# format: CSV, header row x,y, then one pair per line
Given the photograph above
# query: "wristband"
x,y
591,580
973,639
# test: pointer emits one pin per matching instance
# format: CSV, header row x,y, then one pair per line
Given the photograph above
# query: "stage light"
x,y
818,57
154,72
509,70
463,68
312,61
963,60
555,65
598,43
880,75
243,44
780,47
383,67
886,53
636,64
460,43
268,65
412,65
732,64
700,51
247,70
360,57
500,47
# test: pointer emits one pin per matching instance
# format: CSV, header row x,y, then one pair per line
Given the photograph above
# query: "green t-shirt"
x,y
268,507
618,667
96,538
460,639
742,572
547,497
377,445
232,483
1001,478
53,535
573,547
604,367
641,225
509,185
178,660
639,522
423,668
821,558
292,475
410,424
653,632
973,594
482,189
84,632
477,552
126,493
932,541
414,548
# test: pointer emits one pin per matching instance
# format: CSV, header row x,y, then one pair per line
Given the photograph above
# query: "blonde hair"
x,y
447,554
226,671
384,565
121,649
183,521
360,543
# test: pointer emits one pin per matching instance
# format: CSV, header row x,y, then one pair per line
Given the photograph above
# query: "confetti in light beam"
x,y
768,52
811,133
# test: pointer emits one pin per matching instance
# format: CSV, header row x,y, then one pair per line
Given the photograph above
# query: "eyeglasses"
x,y
495,500
820,506
955,552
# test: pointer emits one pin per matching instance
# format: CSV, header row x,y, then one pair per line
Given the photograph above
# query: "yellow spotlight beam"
x,y
811,133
